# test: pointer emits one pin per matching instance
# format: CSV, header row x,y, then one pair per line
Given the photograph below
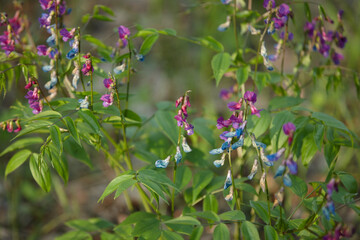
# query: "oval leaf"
x,y
220,64
17,160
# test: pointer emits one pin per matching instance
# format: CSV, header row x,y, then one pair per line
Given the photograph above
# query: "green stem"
x,y
283,49
128,77
235,29
92,89
302,201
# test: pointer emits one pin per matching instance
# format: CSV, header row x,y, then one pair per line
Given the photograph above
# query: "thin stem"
x,y
235,29
302,201
174,178
249,4
128,77
283,49
203,197
92,90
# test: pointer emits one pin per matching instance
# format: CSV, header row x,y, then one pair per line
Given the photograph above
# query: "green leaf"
x,y
259,125
77,151
17,160
148,228
308,149
221,232
201,180
349,181
276,133
156,176
249,231
210,203
58,162
155,188
261,211
329,121
94,41
168,235
72,129
284,102
35,126
106,9
319,135
167,124
116,183
85,18
22,143
208,215
90,225
261,80
78,235
148,43
270,233
331,151
307,12
196,233
40,172
202,128
45,115
210,42
183,176
299,186
242,75
220,63
56,138
90,119
234,215
102,18
168,31
183,220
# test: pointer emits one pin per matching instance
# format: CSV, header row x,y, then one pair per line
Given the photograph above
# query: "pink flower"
x,y
108,83
250,96
107,100
124,33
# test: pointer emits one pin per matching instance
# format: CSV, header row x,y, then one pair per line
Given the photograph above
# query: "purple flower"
x,y
45,4
289,128
250,96
254,110
107,99
37,107
327,36
292,166
44,20
267,3
189,128
108,83
225,94
179,101
279,22
340,14
283,10
223,135
282,35
236,120
337,57
324,49
87,66
331,186
223,123
52,52
66,34
340,40
124,32
309,28
42,50
225,1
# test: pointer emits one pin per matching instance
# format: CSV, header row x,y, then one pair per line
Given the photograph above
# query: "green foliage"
x,y
220,64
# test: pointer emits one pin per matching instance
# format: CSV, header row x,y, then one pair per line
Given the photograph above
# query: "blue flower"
x,y
185,146
219,163
178,155
228,181
280,171
84,103
47,68
162,163
238,144
287,180
51,41
140,57
326,213
216,151
275,156
260,144
71,54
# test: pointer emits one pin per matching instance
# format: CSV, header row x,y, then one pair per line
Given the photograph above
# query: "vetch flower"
x,y
66,34
108,83
87,66
265,159
283,10
292,165
229,197
51,41
9,126
162,163
289,129
72,53
124,33
107,99
225,1
238,144
216,151
178,155
280,171
275,156
45,20
119,69
219,163
268,4
42,50
253,30
287,180
228,181
253,170
18,126
233,106
185,146
84,103
139,57
224,26
262,181
337,57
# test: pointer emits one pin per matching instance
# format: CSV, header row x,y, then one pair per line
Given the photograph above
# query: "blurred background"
x,y
172,67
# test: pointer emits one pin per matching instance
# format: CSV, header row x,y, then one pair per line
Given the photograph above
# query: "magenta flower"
x,y
223,123
107,99
250,96
124,33
42,50
225,94
189,128
254,110
289,129
9,126
108,83
182,115
267,3
337,57
37,107
45,20
309,28
45,4
233,106
87,66
179,101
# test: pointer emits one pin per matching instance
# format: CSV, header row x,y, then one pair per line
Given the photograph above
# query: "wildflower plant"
x,y
182,172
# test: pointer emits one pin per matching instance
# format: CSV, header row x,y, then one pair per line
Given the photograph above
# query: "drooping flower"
x,y
289,130
228,181
283,10
268,4
182,115
178,155
108,83
287,180
275,156
253,30
66,35
253,170
224,26
337,57
280,171
45,20
42,50
119,69
226,94
233,106
225,1
229,197
185,146
9,126
18,126
107,99
87,66
219,163
162,163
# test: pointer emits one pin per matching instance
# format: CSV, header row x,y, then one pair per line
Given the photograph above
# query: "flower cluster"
x,y
184,101
108,99
14,26
87,67
322,40
182,115
9,125
33,97
282,15
330,207
340,231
